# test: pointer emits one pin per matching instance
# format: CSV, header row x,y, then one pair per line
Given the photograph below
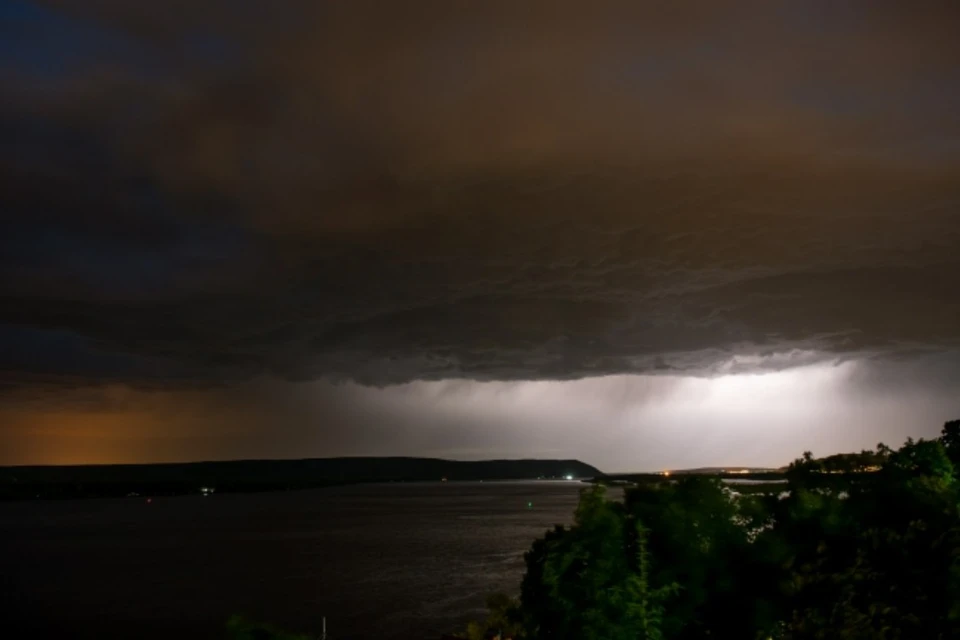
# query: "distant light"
x,y
569,477
149,500
666,473
529,505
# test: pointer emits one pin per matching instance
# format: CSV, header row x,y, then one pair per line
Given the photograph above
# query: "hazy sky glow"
x,y
646,235
618,423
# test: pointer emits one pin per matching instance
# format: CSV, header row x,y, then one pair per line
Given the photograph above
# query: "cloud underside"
x,y
482,191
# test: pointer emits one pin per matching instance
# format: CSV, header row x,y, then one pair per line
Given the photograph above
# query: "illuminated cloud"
x,y
618,423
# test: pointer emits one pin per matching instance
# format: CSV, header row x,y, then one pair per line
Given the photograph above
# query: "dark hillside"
x,y
265,475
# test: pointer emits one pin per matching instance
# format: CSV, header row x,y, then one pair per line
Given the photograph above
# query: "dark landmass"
x,y
841,469
94,481
726,470
733,473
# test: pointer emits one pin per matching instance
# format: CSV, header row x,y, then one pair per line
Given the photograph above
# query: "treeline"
x,y
864,462
847,555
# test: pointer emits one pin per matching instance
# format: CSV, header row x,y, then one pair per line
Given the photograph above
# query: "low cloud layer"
x,y
196,196
474,228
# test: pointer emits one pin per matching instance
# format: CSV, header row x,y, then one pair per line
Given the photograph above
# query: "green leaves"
x,y
239,628
504,619
857,546
881,563
592,580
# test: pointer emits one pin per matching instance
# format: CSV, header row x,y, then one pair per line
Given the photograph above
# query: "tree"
x,y
504,619
238,628
852,553
591,580
700,535
950,439
880,561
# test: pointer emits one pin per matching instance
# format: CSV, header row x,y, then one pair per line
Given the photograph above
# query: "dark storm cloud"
x,y
397,191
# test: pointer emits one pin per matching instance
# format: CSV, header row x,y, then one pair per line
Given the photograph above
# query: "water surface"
x,y
379,561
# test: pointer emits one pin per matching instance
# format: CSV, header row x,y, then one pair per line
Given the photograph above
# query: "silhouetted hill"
x,y
265,475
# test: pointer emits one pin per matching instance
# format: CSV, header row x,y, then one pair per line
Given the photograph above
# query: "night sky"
x,y
644,235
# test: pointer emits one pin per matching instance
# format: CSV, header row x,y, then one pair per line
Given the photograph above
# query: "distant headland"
x,y
134,480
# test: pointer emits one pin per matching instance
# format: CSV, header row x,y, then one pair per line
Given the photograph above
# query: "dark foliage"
x,y
858,546
239,628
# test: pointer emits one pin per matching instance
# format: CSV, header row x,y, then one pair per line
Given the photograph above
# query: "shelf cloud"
x,y
200,196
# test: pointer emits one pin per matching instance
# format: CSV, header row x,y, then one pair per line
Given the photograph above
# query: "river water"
x,y
378,561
